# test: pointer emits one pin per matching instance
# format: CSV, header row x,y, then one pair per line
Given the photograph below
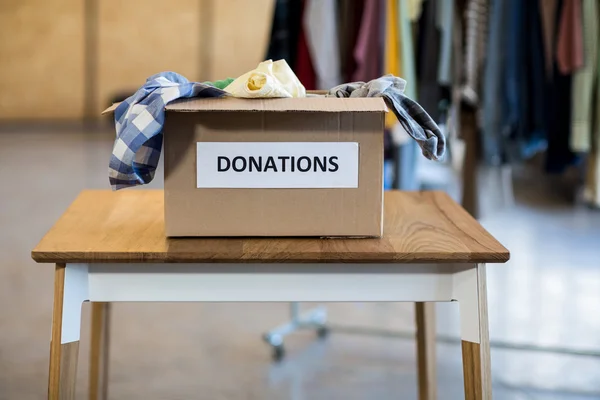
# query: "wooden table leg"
x,y
470,289
426,358
64,349
99,348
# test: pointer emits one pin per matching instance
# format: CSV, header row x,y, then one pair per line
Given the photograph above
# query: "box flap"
x,y
305,104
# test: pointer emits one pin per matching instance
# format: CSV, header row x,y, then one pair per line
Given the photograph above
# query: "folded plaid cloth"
x,y
139,121
414,119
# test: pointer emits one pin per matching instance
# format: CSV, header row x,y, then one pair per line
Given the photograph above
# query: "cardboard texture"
x,y
323,212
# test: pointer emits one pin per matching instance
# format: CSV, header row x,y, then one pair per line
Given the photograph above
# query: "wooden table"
x,y
110,247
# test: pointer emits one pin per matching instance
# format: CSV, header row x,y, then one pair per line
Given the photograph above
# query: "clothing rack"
x,y
404,154
466,128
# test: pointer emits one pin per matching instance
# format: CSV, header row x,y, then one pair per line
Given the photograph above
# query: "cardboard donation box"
x,y
274,167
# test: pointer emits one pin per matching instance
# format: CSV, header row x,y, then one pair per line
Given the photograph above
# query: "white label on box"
x,y
277,165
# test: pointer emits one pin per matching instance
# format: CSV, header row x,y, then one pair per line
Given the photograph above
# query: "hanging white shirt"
x,y
320,26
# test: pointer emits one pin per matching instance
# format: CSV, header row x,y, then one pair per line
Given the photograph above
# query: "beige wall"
x,y
41,59
240,37
141,40
44,57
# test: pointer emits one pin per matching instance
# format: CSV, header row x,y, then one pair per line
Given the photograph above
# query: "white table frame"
x,y
336,282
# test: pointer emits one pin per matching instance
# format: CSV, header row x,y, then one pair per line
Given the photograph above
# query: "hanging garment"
x,y
367,53
428,53
304,65
558,109
445,23
493,85
269,80
139,121
514,96
592,179
585,80
414,9
408,60
415,120
406,153
548,9
533,137
320,28
591,193
349,17
285,29
392,59
458,78
558,154
569,46
522,130
514,84
476,37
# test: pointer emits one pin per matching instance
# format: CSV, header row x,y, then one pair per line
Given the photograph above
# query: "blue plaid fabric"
x,y
139,121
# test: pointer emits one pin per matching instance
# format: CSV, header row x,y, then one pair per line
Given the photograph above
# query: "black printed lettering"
x,y
307,164
283,158
235,163
321,165
270,164
255,164
220,167
278,164
333,164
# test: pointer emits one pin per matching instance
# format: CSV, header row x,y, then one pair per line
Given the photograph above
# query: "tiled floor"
x,y
547,295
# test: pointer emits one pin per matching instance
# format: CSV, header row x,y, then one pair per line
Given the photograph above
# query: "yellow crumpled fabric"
x,y
269,79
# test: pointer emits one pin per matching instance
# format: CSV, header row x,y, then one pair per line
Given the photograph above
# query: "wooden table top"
x,y
128,226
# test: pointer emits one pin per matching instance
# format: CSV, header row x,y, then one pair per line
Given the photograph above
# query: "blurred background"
x,y
514,85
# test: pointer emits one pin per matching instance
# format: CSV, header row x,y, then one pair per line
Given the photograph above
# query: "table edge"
x,y
375,258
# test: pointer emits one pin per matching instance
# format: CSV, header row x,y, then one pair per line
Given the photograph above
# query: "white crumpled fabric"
x,y
269,79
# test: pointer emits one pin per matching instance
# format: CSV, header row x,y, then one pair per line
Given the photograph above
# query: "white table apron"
x,y
161,282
